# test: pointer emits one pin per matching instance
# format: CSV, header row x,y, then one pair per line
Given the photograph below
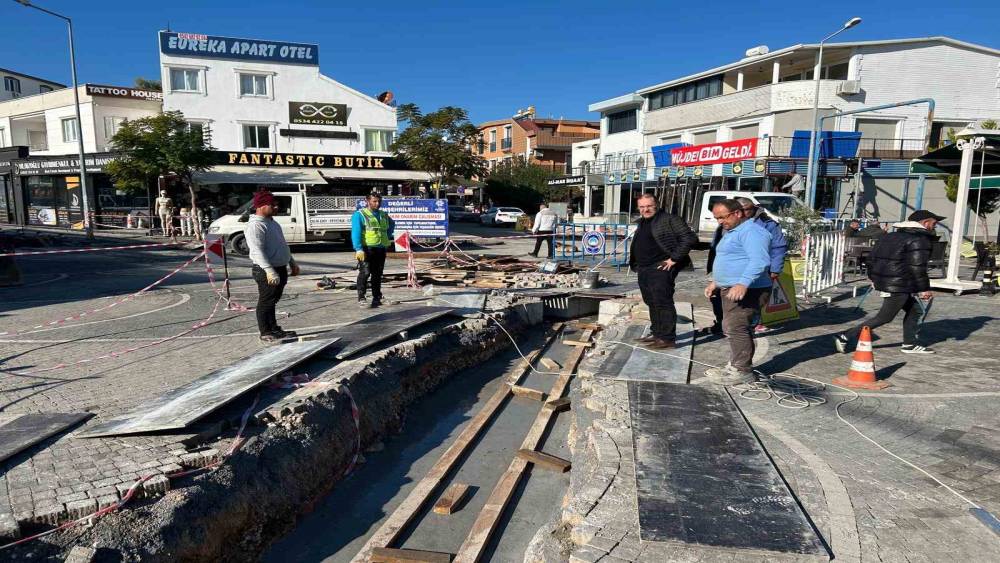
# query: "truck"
x,y
303,218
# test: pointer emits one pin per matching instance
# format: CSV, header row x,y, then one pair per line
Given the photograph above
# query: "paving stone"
x,y
81,554
80,508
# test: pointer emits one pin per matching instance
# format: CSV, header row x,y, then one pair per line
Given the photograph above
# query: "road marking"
x,y
184,299
147,338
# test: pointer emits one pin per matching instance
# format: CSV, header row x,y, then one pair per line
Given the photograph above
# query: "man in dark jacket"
x,y
658,252
899,268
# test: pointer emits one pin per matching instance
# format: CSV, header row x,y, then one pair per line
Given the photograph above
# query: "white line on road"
x,y
184,299
144,338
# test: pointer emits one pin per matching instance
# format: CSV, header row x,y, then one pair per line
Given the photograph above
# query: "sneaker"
x,y
645,339
761,329
729,376
269,339
714,330
661,344
284,333
840,343
916,349
362,302
376,303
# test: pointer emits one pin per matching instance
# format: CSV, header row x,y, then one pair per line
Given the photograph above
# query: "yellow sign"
x,y
781,305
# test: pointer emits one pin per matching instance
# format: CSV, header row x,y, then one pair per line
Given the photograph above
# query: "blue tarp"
x,y
832,144
661,153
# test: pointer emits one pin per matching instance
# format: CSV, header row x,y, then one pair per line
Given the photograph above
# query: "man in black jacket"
x,y
658,252
899,268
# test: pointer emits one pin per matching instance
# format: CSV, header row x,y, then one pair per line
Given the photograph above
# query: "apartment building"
x,y
545,142
39,169
17,84
768,96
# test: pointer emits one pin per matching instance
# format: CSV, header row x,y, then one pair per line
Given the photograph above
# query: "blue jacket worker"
x,y
371,235
272,264
741,273
779,245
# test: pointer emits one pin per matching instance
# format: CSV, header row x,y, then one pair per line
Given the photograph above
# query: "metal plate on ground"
x,y
609,291
186,404
638,364
370,331
462,303
29,429
703,479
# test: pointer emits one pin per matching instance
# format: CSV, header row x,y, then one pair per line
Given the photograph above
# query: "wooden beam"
x,y
389,555
578,343
528,392
486,522
588,326
550,364
451,499
422,492
545,460
558,405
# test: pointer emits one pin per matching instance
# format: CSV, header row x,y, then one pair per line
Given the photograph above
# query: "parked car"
x,y
500,215
458,213
776,205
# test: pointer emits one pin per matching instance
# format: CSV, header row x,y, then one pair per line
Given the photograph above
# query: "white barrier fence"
x,y
825,254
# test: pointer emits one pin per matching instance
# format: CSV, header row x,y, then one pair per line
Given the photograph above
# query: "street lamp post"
x,y
87,225
812,168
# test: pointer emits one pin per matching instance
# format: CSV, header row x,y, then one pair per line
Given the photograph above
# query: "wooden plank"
x,y
528,392
585,326
27,430
559,405
418,497
550,364
486,522
545,460
451,499
388,555
578,343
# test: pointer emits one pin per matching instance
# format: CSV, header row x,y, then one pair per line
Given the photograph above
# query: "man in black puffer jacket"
x,y
899,268
658,252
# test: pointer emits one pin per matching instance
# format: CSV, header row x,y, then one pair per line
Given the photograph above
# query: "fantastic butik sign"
x,y
714,153
215,47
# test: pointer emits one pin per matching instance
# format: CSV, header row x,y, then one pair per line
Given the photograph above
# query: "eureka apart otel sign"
x,y
274,160
216,47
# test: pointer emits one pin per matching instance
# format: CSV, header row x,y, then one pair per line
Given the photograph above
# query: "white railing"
x,y
825,254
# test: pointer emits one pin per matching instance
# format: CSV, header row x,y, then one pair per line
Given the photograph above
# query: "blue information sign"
x,y
420,217
215,47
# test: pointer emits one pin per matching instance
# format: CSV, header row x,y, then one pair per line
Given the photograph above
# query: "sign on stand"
x,y
593,242
419,217
781,305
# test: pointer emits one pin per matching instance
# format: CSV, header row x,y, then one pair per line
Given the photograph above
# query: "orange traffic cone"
x,y
862,372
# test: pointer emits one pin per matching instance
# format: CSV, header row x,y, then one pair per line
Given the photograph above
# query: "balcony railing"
x,y
505,144
561,140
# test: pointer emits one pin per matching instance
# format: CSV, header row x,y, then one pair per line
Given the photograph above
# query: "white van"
x,y
774,203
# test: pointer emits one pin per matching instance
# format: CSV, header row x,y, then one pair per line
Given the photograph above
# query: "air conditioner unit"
x,y
849,88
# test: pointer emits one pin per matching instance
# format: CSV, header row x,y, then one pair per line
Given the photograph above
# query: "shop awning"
x,y
372,174
946,160
225,174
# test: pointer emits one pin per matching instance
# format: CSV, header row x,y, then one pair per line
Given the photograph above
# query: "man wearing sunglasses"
x,y
741,274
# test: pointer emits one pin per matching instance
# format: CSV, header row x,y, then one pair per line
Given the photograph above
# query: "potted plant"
x,y
798,223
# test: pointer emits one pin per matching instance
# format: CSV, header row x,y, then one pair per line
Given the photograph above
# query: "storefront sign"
x,y
267,159
737,168
317,113
122,92
714,153
61,165
215,47
759,166
566,181
419,217
42,216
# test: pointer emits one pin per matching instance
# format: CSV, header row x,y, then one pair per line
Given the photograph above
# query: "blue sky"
x,y
488,57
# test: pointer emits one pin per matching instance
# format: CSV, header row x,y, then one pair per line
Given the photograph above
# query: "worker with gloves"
x,y
272,264
371,235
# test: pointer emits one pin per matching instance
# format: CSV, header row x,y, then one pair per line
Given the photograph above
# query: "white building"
x,y
40,172
768,95
17,84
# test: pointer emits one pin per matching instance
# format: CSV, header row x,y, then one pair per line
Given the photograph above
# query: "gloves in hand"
x,y
272,278
360,255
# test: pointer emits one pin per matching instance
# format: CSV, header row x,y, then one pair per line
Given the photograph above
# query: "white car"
x,y
499,215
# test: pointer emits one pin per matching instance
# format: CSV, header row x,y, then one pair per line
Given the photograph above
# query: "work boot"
x,y
661,344
729,375
280,333
376,302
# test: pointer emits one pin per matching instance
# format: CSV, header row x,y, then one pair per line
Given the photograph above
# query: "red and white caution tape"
x,y
231,304
78,316
95,249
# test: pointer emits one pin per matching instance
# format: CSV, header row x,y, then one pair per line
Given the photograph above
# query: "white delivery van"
x,y
303,218
774,203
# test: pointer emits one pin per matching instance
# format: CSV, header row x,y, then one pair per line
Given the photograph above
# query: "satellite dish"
x,y
386,97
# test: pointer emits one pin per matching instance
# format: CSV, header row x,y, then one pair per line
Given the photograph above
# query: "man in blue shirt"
x,y
741,274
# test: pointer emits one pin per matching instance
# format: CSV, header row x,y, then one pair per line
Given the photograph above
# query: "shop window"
x,y
622,121
70,132
202,128
256,137
185,80
378,140
253,85
111,125
43,89
836,72
12,85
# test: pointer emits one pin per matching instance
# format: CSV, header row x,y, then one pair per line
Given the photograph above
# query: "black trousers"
x,y
891,306
657,288
716,300
372,267
548,240
267,297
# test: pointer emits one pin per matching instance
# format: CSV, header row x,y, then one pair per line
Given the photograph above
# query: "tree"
x,y
159,145
439,142
148,84
523,184
983,201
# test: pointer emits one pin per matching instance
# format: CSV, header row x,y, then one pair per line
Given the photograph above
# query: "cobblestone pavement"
x,y
939,414
66,477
